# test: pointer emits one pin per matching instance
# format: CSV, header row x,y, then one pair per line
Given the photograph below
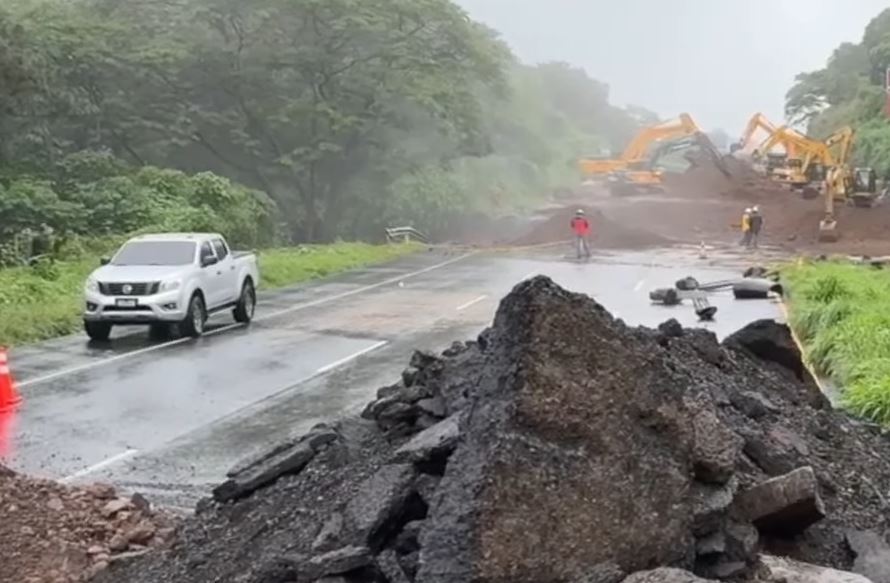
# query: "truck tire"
x,y
195,318
98,331
246,306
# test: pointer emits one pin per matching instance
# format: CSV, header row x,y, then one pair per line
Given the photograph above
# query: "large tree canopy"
x,y
849,91
348,113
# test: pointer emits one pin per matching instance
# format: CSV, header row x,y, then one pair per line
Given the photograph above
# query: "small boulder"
x,y
379,499
784,506
438,440
787,571
142,533
716,448
114,506
872,554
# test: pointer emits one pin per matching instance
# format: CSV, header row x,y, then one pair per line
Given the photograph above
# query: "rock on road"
x,y
169,419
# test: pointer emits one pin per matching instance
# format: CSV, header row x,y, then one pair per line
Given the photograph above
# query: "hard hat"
x,y
756,209
748,210
579,212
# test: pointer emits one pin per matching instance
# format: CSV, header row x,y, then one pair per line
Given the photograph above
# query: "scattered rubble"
x,y
564,447
52,533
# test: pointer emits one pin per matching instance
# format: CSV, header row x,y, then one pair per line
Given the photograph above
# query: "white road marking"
x,y
132,353
385,282
323,370
342,361
325,300
103,464
463,307
639,285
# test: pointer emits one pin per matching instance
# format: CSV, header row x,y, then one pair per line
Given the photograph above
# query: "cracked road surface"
x,y
169,419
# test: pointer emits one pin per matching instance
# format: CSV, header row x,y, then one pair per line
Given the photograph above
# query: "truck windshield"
x,y
156,253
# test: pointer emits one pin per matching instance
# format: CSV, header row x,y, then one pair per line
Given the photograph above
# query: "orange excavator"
x,y
635,170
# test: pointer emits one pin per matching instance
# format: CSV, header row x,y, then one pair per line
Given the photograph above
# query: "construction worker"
x,y
756,225
581,227
746,228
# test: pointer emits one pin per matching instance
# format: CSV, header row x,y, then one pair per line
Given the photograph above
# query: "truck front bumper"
x,y
164,307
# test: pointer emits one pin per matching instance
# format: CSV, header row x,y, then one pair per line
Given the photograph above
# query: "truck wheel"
x,y
193,325
246,307
98,331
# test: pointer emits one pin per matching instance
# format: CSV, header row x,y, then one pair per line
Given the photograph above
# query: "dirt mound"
x,y
606,233
560,446
55,534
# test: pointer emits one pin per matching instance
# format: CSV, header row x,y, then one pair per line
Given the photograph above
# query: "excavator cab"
x,y
864,187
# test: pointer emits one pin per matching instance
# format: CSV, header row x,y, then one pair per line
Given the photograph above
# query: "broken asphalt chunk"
x,y
439,440
784,506
289,461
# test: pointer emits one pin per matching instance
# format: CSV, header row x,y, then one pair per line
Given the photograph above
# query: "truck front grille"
x,y
129,289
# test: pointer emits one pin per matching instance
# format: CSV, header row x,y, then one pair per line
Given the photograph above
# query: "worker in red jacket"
x,y
581,227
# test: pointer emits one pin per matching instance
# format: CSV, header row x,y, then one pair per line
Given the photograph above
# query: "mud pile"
x,y
791,220
51,533
605,233
560,446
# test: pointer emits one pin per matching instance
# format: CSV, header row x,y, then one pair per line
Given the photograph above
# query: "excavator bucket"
x,y
828,231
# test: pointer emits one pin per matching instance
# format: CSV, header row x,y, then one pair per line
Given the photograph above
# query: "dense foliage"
x,y
348,114
842,314
850,91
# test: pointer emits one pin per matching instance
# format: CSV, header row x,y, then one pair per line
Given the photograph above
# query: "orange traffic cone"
x,y
7,422
9,398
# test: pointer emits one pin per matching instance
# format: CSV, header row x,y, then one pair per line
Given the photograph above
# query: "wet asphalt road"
x,y
168,419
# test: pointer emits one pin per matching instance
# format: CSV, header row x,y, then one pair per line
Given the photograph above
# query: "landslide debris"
x,y
50,533
605,232
560,446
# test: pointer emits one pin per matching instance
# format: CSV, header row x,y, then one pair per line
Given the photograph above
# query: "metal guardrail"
x,y
405,234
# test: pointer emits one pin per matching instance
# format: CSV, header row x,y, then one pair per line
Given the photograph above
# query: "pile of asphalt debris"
x,y
561,446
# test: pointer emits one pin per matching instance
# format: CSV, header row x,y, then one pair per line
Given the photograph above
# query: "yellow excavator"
x,y
636,152
636,170
764,160
646,177
805,168
758,121
843,185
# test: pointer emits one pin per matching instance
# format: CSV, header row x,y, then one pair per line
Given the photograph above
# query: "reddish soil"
x,y
704,205
606,233
52,533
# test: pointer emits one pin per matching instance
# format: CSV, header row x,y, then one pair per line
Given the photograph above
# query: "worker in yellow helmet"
x,y
746,228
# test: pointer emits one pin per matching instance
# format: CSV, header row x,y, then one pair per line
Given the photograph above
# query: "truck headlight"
x,y
92,285
170,285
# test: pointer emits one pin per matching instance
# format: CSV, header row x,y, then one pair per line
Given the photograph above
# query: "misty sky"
x,y
718,60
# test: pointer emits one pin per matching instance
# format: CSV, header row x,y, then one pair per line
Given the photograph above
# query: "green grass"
x,y
41,303
841,312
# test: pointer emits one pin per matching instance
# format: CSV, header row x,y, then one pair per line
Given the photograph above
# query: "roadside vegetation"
x,y
277,123
46,300
849,90
841,313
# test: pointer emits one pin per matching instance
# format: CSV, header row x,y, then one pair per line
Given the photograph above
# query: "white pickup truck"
x,y
167,279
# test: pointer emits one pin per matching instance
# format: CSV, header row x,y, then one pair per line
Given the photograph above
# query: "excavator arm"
x,y
636,152
758,121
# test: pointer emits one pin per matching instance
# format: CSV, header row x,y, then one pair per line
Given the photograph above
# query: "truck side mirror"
x,y
208,260
104,261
